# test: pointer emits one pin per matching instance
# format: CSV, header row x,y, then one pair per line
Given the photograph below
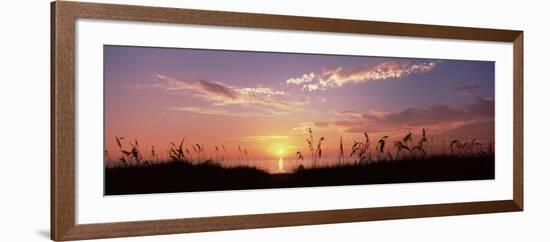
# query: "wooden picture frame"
x,y
63,18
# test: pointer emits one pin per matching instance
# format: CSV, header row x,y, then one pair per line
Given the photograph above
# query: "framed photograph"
x,y
173,120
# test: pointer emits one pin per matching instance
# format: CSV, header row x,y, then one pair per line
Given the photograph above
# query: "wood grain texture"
x,y
518,121
158,227
63,18
63,123
233,19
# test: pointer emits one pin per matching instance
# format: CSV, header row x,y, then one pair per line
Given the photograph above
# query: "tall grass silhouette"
x,y
189,167
341,151
360,152
176,152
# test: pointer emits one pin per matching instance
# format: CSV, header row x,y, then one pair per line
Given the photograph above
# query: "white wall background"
x,y
24,120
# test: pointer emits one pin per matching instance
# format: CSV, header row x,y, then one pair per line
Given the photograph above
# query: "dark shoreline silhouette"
x,y
181,176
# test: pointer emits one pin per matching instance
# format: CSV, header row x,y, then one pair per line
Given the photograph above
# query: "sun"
x,y
280,151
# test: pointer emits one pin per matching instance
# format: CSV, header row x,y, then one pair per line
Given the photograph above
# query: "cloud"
x,y
306,78
258,139
251,112
209,111
260,91
337,77
321,124
467,90
303,127
473,129
443,117
350,114
310,87
220,94
213,90
142,86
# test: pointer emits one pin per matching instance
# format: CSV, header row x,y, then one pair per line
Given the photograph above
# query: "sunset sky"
x,y
265,101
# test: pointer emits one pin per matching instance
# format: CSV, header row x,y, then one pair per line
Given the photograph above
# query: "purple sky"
x,y
264,101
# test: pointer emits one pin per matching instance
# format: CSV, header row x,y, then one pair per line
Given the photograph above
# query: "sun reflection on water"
x,y
280,164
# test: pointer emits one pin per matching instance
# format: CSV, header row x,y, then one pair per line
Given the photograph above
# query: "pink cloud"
x,y
467,90
261,99
321,124
476,119
350,114
337,77
213,90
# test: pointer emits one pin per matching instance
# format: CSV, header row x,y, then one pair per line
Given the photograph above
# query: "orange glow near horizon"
x,y
260,107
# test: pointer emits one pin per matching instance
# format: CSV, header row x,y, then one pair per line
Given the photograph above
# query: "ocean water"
x,y
281,165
